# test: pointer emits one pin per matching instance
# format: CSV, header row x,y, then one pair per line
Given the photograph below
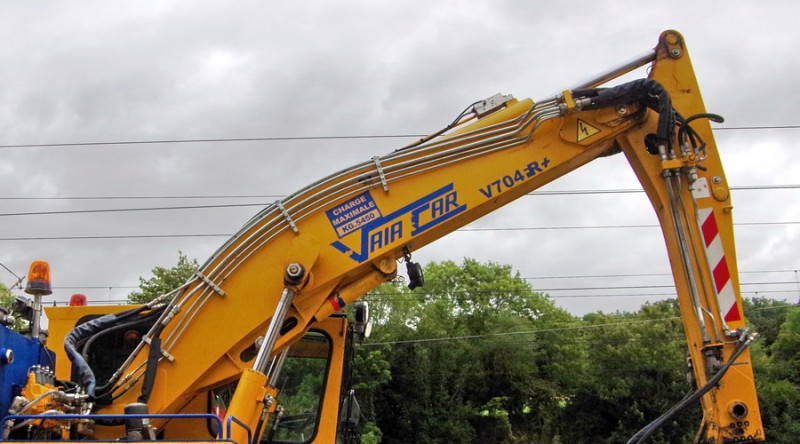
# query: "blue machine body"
x,y
13,376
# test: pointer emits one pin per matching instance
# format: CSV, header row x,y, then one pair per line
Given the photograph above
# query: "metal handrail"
x,y
229,422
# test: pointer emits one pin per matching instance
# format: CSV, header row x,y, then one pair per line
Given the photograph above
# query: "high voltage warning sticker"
x,y
585,130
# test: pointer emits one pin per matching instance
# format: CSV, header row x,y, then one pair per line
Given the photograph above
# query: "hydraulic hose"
x,y
659,422
648,92
90,342
82,333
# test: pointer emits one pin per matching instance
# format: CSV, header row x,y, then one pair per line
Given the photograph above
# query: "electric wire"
x,y
573,276
119,210
207,140
303,138
517,333
19,279
380,299
542,330
460,230
279,196
545,289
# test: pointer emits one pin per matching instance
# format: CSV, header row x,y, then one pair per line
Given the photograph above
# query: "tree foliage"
x,y
778,379
634,371
164,280
766,316
7,301
6,298
477,355
491,376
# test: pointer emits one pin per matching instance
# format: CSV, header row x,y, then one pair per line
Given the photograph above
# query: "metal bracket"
x,y
146,339
492,104
286,216
378,166
210,283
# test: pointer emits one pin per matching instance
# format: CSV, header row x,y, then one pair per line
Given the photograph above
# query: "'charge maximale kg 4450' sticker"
x,y
353,214
361,215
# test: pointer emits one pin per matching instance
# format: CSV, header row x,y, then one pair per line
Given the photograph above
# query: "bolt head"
x,y
294,270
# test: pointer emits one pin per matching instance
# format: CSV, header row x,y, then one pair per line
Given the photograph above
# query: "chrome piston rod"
x,y
262,359
617,71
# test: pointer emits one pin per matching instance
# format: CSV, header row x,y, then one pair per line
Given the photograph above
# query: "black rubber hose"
x,y
154,334
84,331
100,334
646,91
651,428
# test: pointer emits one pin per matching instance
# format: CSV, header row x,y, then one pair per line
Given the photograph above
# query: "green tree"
x,y
786,349
634,371
778,381
765,316
477,380
164,280
7,300
478,356
370,374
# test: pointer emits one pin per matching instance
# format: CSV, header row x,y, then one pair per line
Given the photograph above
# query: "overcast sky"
x,y
98,71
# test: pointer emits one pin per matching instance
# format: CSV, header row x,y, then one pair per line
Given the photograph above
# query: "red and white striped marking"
x,y
719,265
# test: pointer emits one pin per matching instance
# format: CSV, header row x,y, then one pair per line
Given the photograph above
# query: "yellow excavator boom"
x,y
305,257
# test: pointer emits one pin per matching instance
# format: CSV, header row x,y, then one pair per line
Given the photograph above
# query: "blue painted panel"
x,y
27,352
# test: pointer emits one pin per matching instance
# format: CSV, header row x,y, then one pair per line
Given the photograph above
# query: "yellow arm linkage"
x,y
347,231
691,197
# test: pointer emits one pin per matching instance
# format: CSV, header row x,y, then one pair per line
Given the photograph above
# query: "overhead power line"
x,y
581,227
627,275
542,330
368,298
462,230
517,333
279,196
123,210
128,236
501,292
217,140
264,204
296,138
221,196
19,279
535,292
574,277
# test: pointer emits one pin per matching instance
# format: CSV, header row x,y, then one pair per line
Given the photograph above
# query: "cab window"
x,y
301,385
